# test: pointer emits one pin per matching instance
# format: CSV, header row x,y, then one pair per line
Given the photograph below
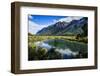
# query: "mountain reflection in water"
x,y
66,50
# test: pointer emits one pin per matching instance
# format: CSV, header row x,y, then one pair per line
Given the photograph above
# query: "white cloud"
x,y
70,18
54,21
34,28
30,17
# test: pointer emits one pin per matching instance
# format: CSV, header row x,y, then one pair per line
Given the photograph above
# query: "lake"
x,y
60,49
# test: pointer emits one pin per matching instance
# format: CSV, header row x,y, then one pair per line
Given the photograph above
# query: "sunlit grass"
x,y
74,44
71,38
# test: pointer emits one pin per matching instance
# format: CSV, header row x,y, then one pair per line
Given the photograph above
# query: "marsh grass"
x,y
71,38
42,54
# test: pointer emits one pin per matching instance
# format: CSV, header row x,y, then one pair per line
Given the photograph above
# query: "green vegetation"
x,y
39,53
62,37
71,38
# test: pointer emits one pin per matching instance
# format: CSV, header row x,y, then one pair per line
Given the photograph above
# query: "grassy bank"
x,y
71,38
42,54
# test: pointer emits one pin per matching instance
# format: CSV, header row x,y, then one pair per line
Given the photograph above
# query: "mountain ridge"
x,y
73,27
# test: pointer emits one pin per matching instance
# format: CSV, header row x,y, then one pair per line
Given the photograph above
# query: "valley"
x,y
65,39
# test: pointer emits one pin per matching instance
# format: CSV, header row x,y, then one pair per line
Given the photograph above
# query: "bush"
x,y
31,52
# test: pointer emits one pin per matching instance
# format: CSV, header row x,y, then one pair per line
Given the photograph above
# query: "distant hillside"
x,y
63,28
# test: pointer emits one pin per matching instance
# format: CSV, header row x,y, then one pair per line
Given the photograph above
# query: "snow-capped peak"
x,y
70,18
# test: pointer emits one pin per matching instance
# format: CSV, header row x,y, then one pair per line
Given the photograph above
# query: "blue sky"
x,y
44,19
37,22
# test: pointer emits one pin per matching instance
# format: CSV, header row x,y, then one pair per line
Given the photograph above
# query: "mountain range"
x,y
63,28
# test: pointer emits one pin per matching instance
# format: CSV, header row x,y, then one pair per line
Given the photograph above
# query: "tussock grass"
x,y
71,38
